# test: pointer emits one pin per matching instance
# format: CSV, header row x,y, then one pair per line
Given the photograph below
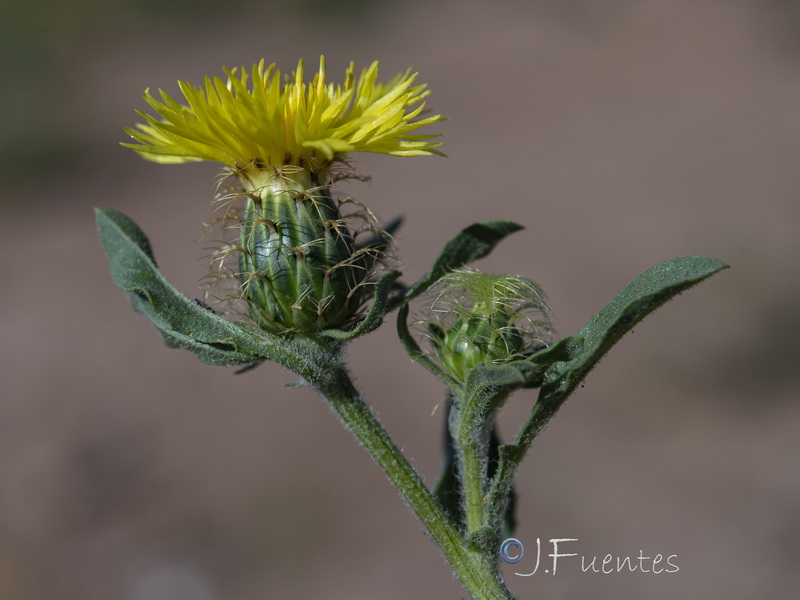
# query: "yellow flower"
x,y
269,125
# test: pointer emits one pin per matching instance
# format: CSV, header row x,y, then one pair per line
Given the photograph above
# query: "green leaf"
x,y
487,386
183,322
448,488
374,317
536,367
472,243
643,295
646,293
527,373
416,353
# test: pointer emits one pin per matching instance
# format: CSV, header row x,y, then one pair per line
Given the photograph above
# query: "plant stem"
x,y
551,397
472,421
473,461
471,455
478,573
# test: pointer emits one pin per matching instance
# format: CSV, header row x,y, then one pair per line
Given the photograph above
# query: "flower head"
x,y
482,318
267,123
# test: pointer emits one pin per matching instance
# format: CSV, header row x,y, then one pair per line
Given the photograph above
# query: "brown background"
x,y
621,133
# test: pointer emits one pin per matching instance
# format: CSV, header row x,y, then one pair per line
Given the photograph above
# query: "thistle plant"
x,y
310,274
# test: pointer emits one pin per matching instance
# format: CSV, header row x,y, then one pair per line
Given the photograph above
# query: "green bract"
x,y
299,266
481,318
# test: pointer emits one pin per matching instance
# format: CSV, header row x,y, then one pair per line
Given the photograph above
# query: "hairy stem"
x,y
472,456
550,400
474,474
472,422
478,573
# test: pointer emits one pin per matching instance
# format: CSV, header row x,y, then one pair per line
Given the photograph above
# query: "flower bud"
x,y
481,318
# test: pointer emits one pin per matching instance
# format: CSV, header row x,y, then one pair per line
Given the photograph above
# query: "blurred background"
x,y
621,133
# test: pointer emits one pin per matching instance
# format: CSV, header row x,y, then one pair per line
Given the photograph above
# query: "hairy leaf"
x,y
646,293
472,243
183,322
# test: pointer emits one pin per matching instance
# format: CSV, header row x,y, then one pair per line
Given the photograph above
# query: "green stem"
x,y
550,400
471,454
473,461
472,423
477,572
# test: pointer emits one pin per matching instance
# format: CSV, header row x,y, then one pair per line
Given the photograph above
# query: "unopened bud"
x,y
481,318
